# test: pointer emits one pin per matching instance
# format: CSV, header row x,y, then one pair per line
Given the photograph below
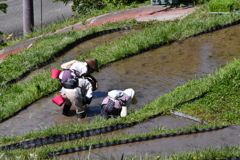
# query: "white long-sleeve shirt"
x,y
83,90
86,87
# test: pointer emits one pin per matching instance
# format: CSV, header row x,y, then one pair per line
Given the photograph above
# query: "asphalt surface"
x,y
45,13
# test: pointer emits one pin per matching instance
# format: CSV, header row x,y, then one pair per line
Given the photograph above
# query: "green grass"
x,y
222,152
224,5
160,32
222,87
76,19
47,46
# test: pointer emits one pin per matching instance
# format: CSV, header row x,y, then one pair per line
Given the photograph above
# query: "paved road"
x,y
45,12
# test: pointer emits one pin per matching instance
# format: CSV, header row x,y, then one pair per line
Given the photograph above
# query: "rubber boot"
x,y
81,115
66,109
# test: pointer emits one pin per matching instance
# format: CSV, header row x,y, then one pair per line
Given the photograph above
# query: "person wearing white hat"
x,y
117,102
80,68
77,92
80,71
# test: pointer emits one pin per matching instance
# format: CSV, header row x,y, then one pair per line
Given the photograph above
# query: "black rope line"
x,y
72,150
59,53
106,32
188,101
20,110
216,28
59,138
138,139
64,137
51,139
191,100
71,136
64,50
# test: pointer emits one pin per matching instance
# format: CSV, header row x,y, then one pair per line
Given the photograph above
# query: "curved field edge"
x,y
44,49
223,153
216,85
153,34
227,77
87,141
38,89
167,31
68,22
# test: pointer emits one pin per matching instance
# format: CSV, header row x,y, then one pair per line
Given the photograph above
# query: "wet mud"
x,y
79,51
164,146
151,74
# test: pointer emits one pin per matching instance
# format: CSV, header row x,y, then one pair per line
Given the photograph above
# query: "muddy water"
x,y
151,74
79,50
164,146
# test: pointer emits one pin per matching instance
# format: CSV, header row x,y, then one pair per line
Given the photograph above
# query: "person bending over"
x,y
77,92
117,102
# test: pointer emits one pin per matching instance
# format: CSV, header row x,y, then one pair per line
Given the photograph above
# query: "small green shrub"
x,y
3,8
85,7
223,5
119,2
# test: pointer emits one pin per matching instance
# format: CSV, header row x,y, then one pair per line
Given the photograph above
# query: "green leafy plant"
x,y
117,2
223,5
84,7
8,37
3,8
